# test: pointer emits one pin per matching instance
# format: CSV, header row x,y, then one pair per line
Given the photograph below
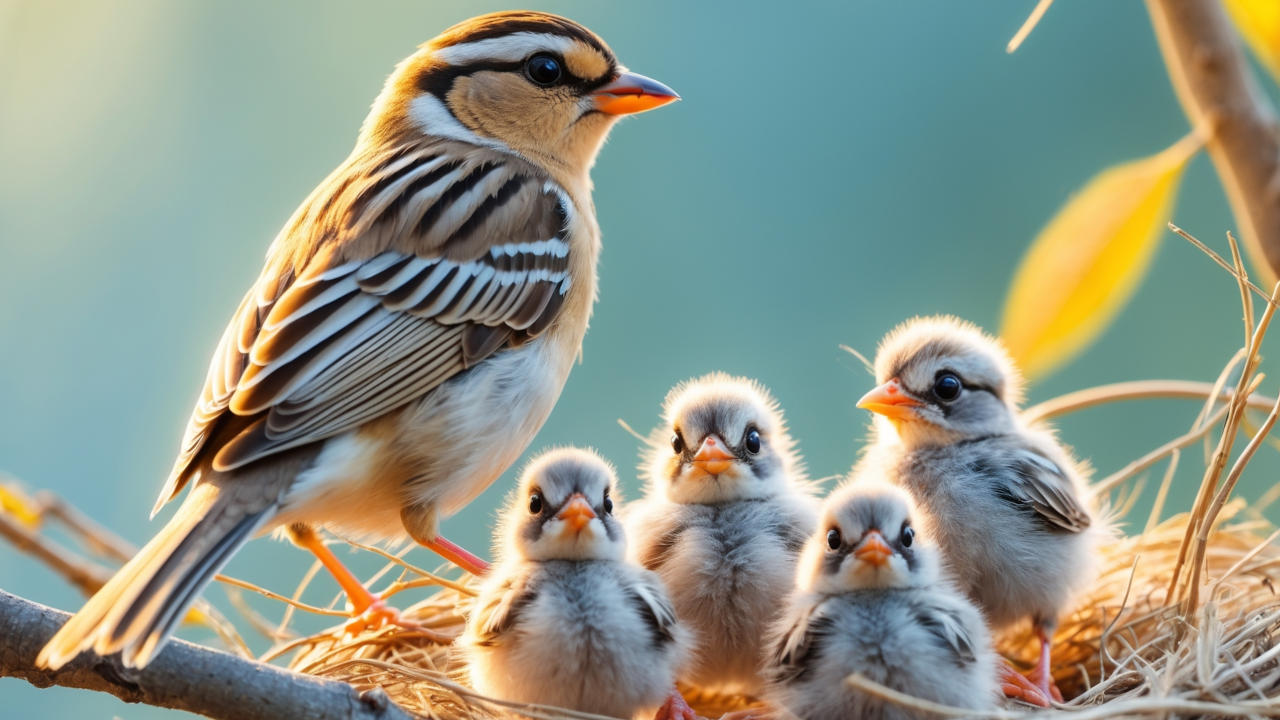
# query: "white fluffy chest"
x,y
443,450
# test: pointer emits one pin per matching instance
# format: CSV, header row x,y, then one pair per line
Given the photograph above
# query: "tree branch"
x,y
1218,92
185,676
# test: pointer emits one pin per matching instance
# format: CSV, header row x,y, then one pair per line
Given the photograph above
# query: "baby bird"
x,y
869,600
1005,501
562,618
727,512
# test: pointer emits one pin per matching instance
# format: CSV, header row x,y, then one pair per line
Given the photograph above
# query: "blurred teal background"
x,y
834,168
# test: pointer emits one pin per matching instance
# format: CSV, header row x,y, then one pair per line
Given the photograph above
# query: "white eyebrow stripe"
x,y
429,114
508,48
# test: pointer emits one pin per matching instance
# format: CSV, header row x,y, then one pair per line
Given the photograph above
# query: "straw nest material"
x,y
1182,620
1124,649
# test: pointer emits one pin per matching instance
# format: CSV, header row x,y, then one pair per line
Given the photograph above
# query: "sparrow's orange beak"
x,y
890,400
712,458
576,513
632,93
873,550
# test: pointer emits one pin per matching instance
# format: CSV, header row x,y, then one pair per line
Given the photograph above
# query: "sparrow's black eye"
x,y
544,70
677,443
833,539
752,441
947,387
608,505
535,503
908,536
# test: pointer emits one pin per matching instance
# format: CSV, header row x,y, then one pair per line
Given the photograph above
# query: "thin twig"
x,y
1030,24
1132,390
1224,492
1105,485
1218,259
277,596
867,364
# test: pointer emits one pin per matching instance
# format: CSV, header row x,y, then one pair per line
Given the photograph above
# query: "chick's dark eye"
x,y
833,539
535,503
544,70
752,441
947,387
608,505
677,443
908,536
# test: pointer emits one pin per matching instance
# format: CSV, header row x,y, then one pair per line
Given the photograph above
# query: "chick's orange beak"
x,y
576,513
712,458
632,93
873,550
890,400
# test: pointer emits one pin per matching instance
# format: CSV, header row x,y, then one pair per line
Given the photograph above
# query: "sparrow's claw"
x,y
376,616
675,708
1015,686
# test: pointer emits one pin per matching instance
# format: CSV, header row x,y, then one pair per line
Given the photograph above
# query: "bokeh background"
x,y
834,168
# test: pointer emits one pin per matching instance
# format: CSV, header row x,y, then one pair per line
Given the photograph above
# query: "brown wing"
x,y
457,255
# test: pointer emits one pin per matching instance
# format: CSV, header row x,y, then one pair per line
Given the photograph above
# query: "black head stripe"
x,y
508,23
438,79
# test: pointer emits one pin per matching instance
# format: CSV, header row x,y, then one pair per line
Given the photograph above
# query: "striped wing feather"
x,y
401,270
1042,485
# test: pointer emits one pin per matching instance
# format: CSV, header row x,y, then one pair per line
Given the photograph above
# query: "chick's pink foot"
x,y
675,708
1040,674
1015,686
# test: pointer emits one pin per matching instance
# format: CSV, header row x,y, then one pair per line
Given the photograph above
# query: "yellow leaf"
x,y
1259,23
1087,261
15,503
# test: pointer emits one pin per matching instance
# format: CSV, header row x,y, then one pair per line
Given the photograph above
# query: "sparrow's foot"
x,y
376,615
368,611
1015,686
675,708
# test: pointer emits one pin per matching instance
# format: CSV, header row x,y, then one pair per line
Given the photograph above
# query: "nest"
x,y
1130,648
1182,620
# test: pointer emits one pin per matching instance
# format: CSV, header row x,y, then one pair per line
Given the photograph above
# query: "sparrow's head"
x,y
563,509
943,380
533,83
866,541
723,439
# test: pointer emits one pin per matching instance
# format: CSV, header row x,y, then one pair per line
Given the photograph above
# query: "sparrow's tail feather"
x,y
136,610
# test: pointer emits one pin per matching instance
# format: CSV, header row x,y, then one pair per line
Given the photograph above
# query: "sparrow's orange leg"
x,y
1015,686
368,610
675,708
1040,674
456,555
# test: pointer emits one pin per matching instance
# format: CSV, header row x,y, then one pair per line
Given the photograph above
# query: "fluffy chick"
x,y
726,514
563,619
1005,501
869,600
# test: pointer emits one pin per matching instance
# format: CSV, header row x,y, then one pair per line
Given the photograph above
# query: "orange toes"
x,y
377,616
